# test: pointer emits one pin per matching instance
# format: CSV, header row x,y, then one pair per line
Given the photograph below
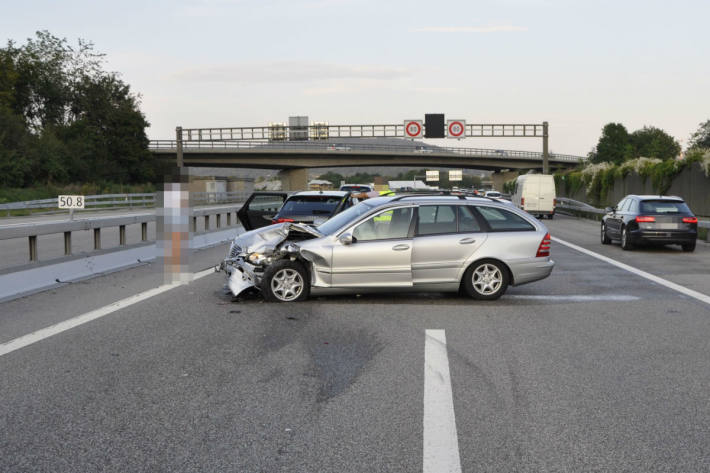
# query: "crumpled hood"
x,y
265,240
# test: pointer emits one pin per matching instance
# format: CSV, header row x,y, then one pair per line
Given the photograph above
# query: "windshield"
x,y
343,218
310,205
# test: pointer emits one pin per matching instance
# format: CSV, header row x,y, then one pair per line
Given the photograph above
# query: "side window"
x,y
467,220
435,219
633,206
620,205
500,220
386,225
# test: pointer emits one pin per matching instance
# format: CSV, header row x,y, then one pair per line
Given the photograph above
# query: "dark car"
x,y
266,208
650,219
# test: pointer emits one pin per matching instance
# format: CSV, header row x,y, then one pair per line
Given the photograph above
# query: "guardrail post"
x,y
144,231
219,220
33,247
193,225
229,219
207,222
67,243
97,238
122,235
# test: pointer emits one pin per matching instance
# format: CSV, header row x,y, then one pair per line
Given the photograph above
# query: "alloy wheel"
x,y
287,284
487,279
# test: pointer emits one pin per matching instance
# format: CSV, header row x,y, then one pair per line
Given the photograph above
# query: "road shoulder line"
x,y
41,334
658,280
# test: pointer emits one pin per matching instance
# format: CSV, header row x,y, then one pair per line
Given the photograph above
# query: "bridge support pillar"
x,y
499,178
294,179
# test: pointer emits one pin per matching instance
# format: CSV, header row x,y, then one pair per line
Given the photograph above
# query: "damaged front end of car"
x,y
252,252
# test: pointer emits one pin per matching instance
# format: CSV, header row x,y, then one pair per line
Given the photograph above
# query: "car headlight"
x,y
258,258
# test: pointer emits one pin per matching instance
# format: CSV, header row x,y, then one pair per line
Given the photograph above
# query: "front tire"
x,y
625,243
605,239
286,281
486,280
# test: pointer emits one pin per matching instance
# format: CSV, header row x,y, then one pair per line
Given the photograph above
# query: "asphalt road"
x,y
592,369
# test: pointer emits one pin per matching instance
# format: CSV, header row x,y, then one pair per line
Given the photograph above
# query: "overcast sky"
x,y
576,64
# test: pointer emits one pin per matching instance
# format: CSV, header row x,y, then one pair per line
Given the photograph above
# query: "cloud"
x,y
290,71
469,29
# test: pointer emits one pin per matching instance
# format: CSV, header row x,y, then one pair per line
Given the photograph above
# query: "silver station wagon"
x,y
424,243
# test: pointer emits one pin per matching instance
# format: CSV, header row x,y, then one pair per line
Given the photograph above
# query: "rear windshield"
x,y
310,205
355,188
664,207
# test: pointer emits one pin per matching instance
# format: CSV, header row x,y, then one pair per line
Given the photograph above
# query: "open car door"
x,y
259,208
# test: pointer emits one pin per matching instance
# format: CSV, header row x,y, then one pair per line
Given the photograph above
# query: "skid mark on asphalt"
x,y
55,329
441,445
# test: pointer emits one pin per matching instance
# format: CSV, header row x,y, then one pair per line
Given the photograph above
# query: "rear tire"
x,y
688,247
625,243
486,280
605,239
286,281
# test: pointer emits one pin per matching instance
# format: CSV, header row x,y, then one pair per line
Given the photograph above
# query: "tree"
x,y
701,138
614,145
652,142
63,118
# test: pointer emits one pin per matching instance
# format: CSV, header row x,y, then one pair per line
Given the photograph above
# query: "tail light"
x,y
645,219
522,201
282,220
690,219
544,248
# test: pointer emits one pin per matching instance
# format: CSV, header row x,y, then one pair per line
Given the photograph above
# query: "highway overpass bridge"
x,y
346,146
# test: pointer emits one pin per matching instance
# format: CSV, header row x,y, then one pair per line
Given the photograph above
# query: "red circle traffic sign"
x,y
456,129
413,129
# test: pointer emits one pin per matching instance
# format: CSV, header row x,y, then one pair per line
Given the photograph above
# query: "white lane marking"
x,y
664,282
41,334
575,297
441,444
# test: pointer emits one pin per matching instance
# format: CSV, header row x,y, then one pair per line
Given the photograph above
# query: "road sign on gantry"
x,y
432,175
456,129
413,129
456,175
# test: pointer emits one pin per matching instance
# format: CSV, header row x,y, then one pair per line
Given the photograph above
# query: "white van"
x,y
535,193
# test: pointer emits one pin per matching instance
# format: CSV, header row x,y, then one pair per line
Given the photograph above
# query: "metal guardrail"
x,y
344,148
113,201
91,202
32,230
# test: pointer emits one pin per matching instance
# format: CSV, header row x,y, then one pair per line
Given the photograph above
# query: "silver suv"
x,y
407,242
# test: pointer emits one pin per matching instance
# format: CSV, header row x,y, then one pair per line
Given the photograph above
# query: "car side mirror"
x,y
609,209
346,239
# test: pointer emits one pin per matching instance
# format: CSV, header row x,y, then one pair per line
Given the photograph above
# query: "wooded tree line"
x,y
64,119
617,145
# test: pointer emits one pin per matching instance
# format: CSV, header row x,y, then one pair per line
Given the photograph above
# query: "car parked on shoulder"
x,y
313,207
650,219
407,242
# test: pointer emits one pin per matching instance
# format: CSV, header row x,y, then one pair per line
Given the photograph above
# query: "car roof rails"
x,y
440,194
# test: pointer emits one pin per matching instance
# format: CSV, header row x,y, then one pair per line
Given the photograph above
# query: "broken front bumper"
x,y
240,275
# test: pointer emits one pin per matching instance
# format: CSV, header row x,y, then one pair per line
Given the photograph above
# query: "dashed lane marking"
x,y
441,445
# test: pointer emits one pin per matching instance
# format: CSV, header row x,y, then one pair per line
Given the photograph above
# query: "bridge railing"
x,y
330,146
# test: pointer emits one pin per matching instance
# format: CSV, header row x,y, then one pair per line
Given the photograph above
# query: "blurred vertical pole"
x,y
178,145
545,149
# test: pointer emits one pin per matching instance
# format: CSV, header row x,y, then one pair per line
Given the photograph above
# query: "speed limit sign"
x,y
413,128
456,128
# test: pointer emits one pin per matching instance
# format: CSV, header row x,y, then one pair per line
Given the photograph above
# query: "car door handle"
x,y
401,247
467,241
